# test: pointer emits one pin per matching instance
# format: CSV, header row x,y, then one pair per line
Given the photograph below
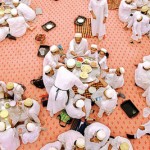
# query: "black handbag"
x,y
38,82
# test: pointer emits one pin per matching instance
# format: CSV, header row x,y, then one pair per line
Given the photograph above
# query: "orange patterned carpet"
x,y
19,63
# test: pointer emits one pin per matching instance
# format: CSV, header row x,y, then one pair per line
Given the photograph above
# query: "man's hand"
x,y
142,128
109,147
93,16
73,53
104,21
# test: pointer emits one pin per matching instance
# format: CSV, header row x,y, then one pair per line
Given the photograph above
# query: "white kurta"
x,y
136,31
146,58
113,80
103,62
29,137
125,10
140,133
106,105
68,138
56,145
16,92
77,113
100,9
51,60
65,80
2,86
79,49
142,77
3,33
27,2
90,132
89,54
141,3
145,24
18,26
25,11
9,139
48,81
118,141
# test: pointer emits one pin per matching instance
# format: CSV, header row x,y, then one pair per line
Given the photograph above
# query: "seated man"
x,y
25,11
29,132
142,75
31,109
52,57
142,130
78,107
92,52
115,77
106,98
125,10
15,91
2,89
72,140
17,24
9,139
78,46
48,77
96,136
4,31
52,146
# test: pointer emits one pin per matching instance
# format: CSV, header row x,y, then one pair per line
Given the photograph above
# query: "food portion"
x,y
7,105
83,75
80,20
78,64
80,59
7,11
86,68
94,64
87,61
49,26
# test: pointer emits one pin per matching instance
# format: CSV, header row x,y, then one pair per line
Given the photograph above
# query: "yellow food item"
x,y
86,68
4,113
7,11
93,64
83,75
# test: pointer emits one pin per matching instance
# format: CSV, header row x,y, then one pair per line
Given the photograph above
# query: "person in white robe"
x,y
96,136
49,76
142,75
106,99
25,11
55,145
145,20
27,109
78,46
29,132
59,93
137,29
103,61
142,130
2,89
119,143
92,52
115,78
15,90
72,139
17,24
9,139
125,10
140,3
79,107
146,58
99,14
52,57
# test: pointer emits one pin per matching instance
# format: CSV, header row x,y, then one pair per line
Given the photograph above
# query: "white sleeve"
x,y
112,70
3,85
102,60
106,9
71,45
79,84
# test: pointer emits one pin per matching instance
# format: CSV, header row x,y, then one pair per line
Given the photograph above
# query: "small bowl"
x,y
49,26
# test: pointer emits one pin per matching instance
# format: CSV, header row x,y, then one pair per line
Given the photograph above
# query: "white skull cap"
x,y
80,142
94,46
54,48
47,69
79,35
71,63
80,103
101,135
104,50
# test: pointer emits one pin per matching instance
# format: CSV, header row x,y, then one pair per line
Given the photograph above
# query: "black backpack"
x,y
38,82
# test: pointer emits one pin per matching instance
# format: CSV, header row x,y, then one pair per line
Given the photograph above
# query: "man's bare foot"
x,y
32,28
